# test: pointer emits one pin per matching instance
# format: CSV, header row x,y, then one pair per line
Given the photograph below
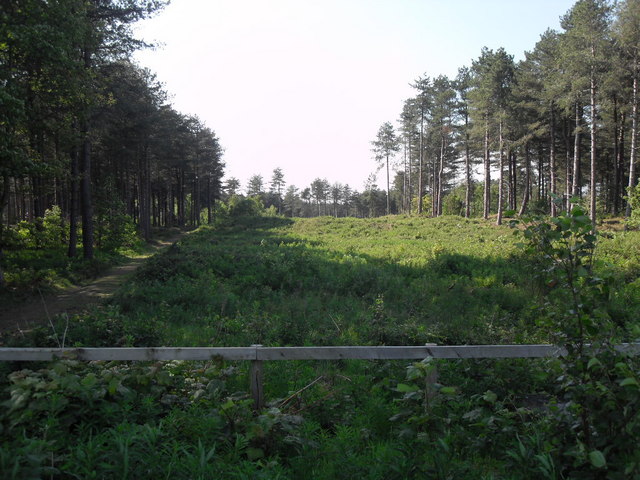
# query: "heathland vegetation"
x,y
386,281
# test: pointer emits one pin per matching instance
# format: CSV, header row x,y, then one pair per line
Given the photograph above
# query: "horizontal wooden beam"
x,y
132,353
293,353
408,353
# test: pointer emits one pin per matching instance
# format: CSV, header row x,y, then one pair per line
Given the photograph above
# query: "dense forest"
x,y
86,134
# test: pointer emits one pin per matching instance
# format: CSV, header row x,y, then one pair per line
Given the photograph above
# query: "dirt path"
x,y
74,300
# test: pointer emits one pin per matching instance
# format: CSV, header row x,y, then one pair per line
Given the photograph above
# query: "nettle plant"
x,y
598,408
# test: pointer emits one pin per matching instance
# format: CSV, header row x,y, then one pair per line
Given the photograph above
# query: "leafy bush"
x,y
599,423
633,197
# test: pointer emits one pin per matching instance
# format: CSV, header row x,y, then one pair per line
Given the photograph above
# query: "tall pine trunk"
x,y
467,169
593,193
85,194
421,163
73,206
440,173
487,170
527,185
4,198
500,175
576,183
552,163
634,136
388,202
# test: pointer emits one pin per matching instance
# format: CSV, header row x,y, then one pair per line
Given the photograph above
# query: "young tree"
x,y
233,187
277,185
462,86
384,146
442,114
492,80
255,187
423,103
586,48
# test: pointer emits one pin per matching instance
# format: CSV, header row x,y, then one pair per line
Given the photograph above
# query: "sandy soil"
x,y
39,310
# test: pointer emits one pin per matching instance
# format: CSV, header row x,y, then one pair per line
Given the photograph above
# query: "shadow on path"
x,y
75,299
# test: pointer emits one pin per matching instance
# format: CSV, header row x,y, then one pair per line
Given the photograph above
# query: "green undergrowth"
x,y
325,281
337,282
33,269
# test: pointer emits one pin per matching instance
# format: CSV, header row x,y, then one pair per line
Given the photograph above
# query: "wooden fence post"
x,y
431,379
255,379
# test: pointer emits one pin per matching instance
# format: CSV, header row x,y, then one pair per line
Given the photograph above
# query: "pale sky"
x,y
304,85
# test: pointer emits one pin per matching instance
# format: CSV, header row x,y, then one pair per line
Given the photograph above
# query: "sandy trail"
x,y
38,310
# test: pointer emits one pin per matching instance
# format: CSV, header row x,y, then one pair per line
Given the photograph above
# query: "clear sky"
x,y
304,85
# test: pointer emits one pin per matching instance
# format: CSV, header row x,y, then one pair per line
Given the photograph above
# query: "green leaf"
x,y
597,459
629,381
404,388
594,362
448,390
89,381
490,397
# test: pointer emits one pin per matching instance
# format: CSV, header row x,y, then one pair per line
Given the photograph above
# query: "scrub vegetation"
x,y
325,281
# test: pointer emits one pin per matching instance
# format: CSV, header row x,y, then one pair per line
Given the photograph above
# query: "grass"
x,y
324,281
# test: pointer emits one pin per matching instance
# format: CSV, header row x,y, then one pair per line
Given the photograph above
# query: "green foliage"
x,y
633,197
327,281
599,385
115,229
47,232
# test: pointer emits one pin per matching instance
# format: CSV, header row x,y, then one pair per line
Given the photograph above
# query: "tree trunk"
x,y
568,172
527,185
619,166
592,198
576,191
634,137
85,194
467,169
421,163
409,183
4,197
500,176
73,206
440,172
388,204
487,170
552,163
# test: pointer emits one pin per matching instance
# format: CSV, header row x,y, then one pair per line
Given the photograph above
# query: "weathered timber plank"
x,y
137,354
408,352
294,353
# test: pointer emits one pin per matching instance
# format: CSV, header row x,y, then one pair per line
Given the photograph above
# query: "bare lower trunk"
x,y
467,168
421,164
593,193
73,206
440,172
500,177
85,196
575,186
388,202
527,185
552,164
487,171
634,138
4,197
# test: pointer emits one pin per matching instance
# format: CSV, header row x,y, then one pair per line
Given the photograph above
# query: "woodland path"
x,y
38,310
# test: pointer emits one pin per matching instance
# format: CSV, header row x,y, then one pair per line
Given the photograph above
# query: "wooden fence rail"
x,y
258,354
